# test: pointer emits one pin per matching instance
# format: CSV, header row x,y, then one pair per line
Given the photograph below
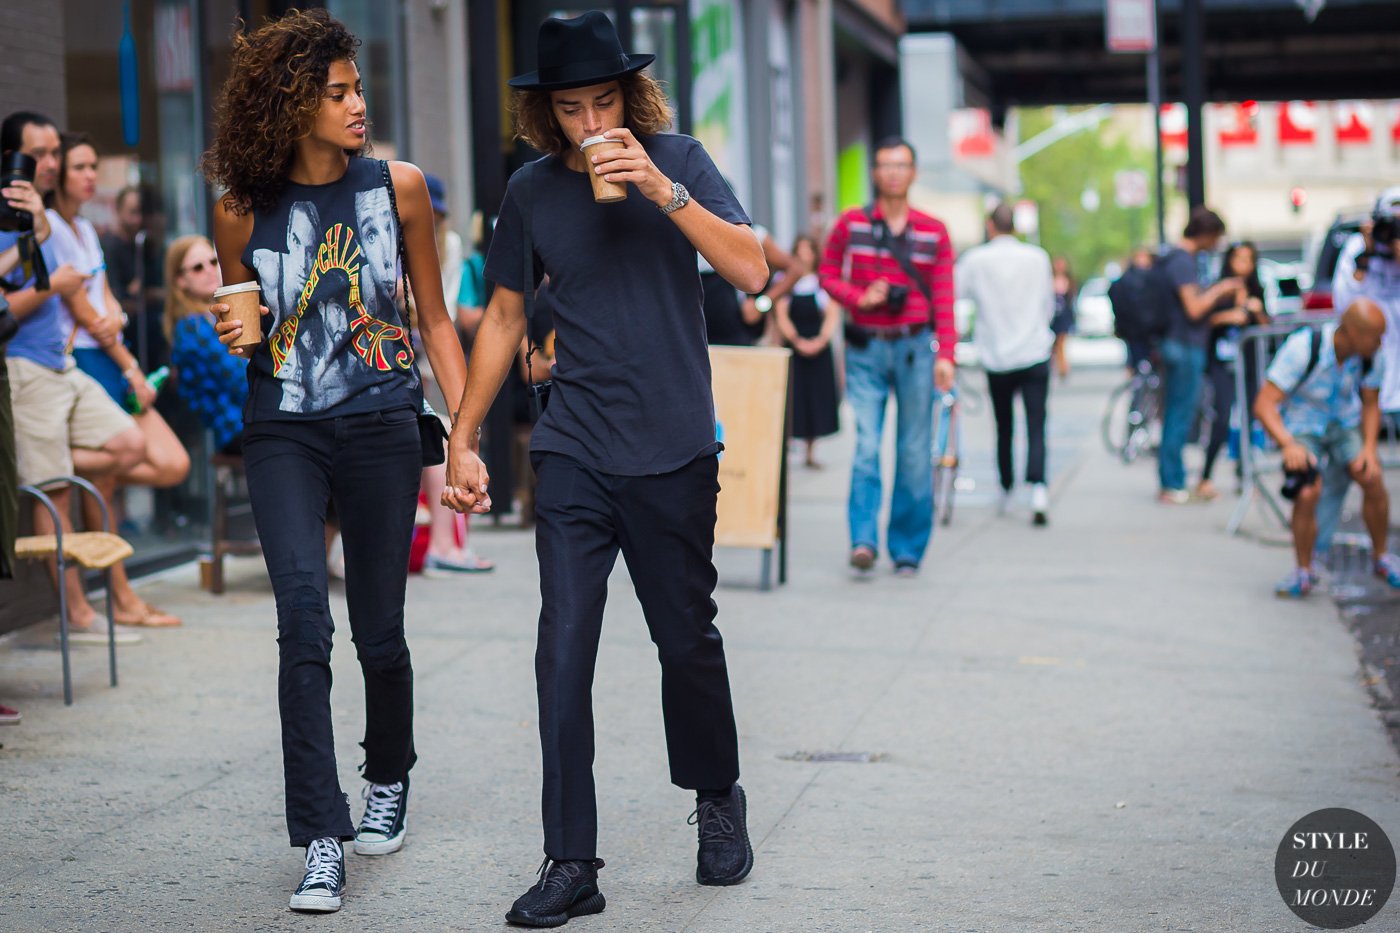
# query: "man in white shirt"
x,y
1011,284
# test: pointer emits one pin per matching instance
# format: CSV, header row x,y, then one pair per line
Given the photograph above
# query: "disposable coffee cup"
x,y
243,302
604,192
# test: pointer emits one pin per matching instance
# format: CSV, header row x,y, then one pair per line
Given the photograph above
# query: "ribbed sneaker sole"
x,y
589,905
314,903
380,846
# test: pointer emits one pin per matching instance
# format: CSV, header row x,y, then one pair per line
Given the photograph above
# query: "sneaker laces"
x,y
713,822
381,806
567,873
322,863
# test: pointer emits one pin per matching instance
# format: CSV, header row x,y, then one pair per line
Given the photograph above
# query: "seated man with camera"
x,y
1321,405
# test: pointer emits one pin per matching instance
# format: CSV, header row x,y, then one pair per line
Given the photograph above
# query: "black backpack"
x,y
1143,301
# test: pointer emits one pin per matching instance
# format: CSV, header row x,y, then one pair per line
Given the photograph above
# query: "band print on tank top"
x,y
327,260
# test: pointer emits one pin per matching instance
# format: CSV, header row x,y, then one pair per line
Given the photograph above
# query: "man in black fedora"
x,y
626,453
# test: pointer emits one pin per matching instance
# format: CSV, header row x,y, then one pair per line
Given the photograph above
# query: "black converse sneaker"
x,y
725,856
382,830
320,890
565,889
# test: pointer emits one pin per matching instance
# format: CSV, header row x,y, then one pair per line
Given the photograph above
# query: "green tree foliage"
x,y
1057,177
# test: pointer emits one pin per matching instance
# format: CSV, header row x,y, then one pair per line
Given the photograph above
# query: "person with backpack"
x,y
1135,318
891,267
1177,284
1321,405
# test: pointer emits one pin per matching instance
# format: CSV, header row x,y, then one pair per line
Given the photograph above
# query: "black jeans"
x,y
1222,386
370,466
1033,383
665,528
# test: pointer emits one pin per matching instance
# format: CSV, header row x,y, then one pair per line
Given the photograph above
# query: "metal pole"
x,y
1154,99
1194,85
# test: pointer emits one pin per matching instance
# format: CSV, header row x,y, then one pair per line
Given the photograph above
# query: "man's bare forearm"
x,y
497,341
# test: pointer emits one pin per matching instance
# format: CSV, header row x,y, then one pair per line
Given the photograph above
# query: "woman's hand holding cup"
x,y
230,330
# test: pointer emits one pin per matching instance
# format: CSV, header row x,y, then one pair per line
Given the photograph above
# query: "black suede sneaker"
x,y
324,882
565,890
725,856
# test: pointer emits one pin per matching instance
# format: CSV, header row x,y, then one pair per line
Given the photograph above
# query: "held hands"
x,y
467,479
106,330
632,164
231,330
1297,458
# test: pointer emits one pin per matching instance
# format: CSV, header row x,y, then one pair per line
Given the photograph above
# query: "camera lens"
x,y
15,166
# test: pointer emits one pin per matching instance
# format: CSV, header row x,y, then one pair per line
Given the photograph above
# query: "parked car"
x,y
1284,284
1093,312
1325,251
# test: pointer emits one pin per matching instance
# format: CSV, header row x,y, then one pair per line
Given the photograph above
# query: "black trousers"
x,y
1222,386
665,527
370,466
1033,383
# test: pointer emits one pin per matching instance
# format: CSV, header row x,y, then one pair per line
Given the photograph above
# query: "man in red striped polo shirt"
x,y
891,267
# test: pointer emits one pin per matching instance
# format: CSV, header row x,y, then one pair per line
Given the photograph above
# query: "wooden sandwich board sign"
x,y
751,388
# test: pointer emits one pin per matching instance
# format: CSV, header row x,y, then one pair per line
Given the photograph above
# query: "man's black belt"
x,y
895,333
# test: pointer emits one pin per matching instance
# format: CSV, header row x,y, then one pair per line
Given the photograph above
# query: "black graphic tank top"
x,y
335,343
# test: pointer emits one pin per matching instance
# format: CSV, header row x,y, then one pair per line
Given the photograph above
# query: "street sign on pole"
x,y
1130,188
1130,25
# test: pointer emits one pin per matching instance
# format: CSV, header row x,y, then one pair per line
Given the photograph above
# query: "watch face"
x,y
763,303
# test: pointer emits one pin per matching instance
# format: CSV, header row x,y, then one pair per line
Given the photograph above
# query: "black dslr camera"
x,y
899,294
1385,230
1295,481
15,166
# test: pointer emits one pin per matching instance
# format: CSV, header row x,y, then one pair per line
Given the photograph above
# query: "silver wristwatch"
x,y
679,198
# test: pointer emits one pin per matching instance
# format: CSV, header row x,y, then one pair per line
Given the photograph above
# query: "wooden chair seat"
x,y
95,550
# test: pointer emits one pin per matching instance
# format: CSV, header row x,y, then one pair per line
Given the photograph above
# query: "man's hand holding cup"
x,y
619,165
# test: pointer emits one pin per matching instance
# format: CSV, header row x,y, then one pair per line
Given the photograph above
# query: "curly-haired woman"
x,y
334,398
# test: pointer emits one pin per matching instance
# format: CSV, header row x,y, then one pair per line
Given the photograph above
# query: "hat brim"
x,y
531,81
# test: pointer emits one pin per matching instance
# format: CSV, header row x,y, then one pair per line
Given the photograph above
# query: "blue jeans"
x,y
905,367
1184,367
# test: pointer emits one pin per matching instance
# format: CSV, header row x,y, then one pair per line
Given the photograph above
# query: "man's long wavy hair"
x,y
270,100
646,112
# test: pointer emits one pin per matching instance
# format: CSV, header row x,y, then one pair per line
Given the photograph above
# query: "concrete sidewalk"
x,y
1106,725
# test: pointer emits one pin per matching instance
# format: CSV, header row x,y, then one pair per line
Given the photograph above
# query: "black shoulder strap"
x,y
901,255
1314,354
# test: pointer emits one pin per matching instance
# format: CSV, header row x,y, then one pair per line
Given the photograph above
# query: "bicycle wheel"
x,y
1117,420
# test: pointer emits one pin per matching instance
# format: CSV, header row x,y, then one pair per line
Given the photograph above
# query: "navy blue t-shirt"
x,y
327,259
632,392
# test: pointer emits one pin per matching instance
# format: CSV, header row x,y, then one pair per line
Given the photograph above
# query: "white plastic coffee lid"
x,y
238,289
595,140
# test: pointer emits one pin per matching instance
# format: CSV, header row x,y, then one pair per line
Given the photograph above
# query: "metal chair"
x,y
92,550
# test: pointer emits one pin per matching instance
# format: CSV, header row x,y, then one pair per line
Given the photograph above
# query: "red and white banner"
x,y
1297,123
1353,120
1173,126
971,130
1238,124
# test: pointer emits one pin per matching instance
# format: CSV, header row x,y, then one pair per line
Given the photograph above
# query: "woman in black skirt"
x,y
807,320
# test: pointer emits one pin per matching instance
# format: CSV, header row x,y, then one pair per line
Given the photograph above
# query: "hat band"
x,y
578,71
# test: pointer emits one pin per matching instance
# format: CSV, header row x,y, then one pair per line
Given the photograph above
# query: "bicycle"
x,y
947,442
1132,422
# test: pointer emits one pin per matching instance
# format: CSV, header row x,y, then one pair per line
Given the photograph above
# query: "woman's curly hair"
x,y
646,112
270,100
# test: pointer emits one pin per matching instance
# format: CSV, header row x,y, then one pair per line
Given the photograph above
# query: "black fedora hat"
x,y
578,52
